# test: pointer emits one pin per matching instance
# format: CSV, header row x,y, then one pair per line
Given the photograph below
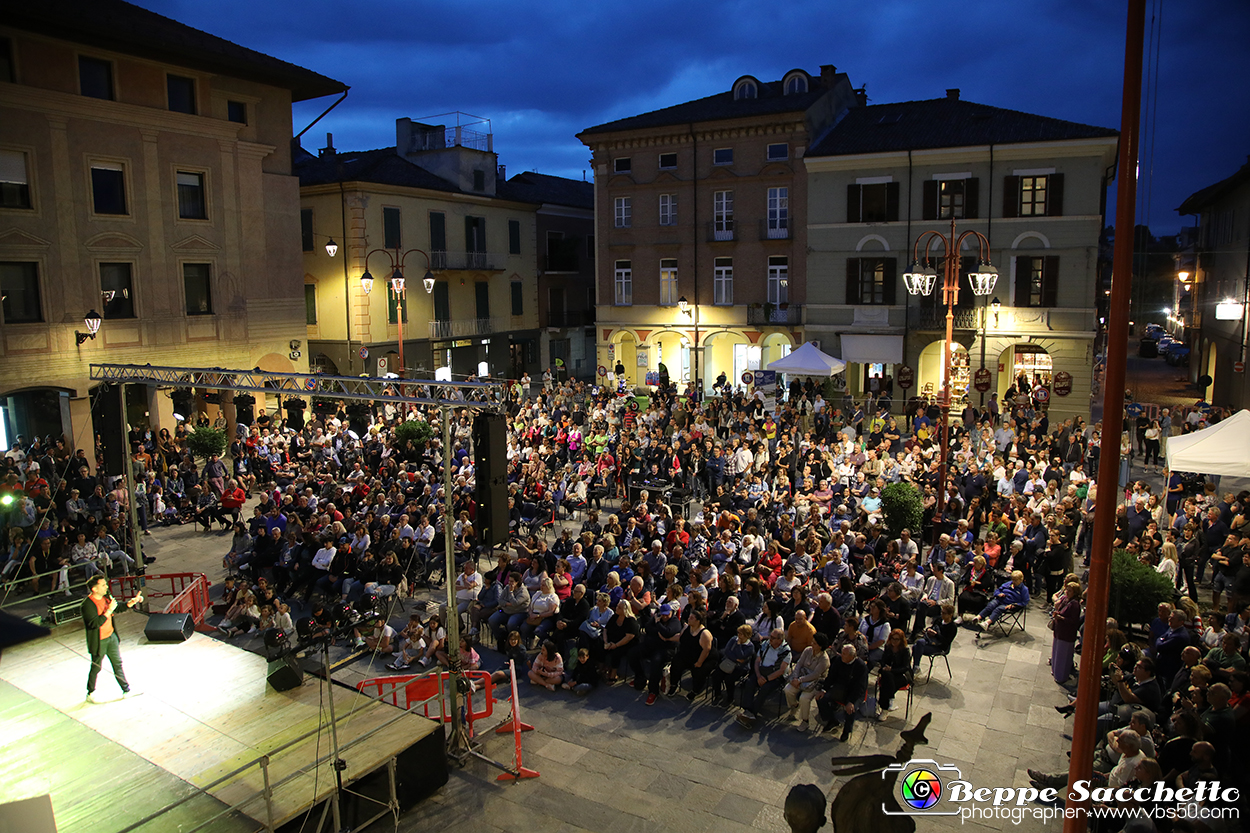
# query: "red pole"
x,y
950,286
1095,632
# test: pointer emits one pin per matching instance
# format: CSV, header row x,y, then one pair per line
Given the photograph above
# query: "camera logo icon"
x,y
920,786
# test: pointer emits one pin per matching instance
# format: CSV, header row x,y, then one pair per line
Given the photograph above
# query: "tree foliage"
x,y
1136,590
903,508
206,441
418,431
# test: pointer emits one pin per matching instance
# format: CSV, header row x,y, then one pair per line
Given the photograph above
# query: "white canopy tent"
x,y
1222,449
808,360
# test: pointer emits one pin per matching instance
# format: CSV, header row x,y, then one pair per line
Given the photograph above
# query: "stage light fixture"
x,y
182,403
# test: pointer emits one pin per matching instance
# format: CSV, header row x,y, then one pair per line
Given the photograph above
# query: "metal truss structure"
x,y
366,388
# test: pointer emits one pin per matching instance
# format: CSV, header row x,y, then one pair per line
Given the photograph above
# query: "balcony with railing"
x,y
720,231
468,261
934,318
777,229
467,327
775,314
570,318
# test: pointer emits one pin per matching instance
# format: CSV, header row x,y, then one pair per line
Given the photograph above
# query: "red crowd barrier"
x,y
187,592
425,692
516,727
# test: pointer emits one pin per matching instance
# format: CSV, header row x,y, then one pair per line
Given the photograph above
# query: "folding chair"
x,y
933,658
1007,624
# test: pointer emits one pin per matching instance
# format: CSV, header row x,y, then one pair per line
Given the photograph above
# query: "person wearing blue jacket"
x,y
1012,596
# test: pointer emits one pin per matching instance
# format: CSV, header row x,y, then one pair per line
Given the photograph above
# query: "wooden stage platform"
x,y
206,710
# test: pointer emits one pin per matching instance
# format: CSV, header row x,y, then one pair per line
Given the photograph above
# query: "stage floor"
x,y
206,709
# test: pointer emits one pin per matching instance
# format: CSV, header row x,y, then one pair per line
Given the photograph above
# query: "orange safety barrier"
x,y
516,727
188,592
411,691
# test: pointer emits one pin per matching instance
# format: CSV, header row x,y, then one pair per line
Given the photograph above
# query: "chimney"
x,y
861,96
502,174
827,74
952,94
327,151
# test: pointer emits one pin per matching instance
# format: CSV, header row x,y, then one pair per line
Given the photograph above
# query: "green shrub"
x,y
903,508
1136,590
204,442
417,431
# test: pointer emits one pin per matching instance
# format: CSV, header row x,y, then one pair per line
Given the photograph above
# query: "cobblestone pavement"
x,y
609,763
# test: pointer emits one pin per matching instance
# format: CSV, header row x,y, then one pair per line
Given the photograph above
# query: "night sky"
x,y
544,71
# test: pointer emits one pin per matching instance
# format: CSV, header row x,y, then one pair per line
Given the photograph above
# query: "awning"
x,y
872,349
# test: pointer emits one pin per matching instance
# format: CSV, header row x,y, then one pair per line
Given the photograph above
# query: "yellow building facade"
x,y
153,188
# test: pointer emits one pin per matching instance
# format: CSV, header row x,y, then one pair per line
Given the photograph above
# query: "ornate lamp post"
x,y
396,285
920,281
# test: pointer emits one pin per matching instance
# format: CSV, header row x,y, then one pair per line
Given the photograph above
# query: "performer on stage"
x,y
102,639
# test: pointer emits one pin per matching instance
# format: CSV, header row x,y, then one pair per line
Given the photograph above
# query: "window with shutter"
x,y
438,240
929,200
1011,196
852,280
514,237
1050,281
852,202
1054,203
1037,281
391,236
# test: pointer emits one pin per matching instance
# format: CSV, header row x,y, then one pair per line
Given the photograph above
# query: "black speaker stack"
x,y
285,674
490,462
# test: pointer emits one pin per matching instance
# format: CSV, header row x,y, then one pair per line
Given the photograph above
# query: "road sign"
x,y
310,383
603,371
1041,394
906,377
364,352
382,363
981,379
1239,367
747,377
1063,383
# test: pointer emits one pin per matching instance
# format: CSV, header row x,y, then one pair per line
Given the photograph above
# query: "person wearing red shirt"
x,y
102,640
232,499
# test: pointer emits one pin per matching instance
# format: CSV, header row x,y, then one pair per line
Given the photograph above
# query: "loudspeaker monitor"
x,y
285,674
169,627
490,462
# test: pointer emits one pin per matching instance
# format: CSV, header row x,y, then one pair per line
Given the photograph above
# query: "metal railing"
x,y
719,231
570,318
464,261
775,314
466,327
935,319
775,229
263,762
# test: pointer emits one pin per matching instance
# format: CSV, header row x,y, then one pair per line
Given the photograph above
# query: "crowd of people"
x,y
746,545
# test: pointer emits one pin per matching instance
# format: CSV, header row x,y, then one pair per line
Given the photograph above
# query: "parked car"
x,y
1154,331
1149,349
1178,356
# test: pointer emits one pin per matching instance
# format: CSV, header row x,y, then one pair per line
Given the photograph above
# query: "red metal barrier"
x,y
423,692
187,592
516,727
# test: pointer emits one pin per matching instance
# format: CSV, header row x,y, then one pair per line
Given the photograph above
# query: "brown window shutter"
x,y
971,198
890,276
891,201
1023,266
852,278
1050,281
1011,196
929,201
1054,195
852,203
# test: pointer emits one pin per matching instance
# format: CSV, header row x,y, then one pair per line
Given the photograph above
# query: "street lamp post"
x,y
920,281
396,284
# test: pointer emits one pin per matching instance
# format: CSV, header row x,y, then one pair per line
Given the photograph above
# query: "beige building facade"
x,y
700,232
151,185
1034,187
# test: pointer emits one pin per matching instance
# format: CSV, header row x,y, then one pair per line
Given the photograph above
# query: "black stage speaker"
x,y
107,418
490,461
169,627
285,674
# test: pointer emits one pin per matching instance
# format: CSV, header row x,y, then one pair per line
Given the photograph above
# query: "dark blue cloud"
x,y
543,71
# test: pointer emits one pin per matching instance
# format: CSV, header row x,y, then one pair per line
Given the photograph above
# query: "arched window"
x,y
796,83
746,88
